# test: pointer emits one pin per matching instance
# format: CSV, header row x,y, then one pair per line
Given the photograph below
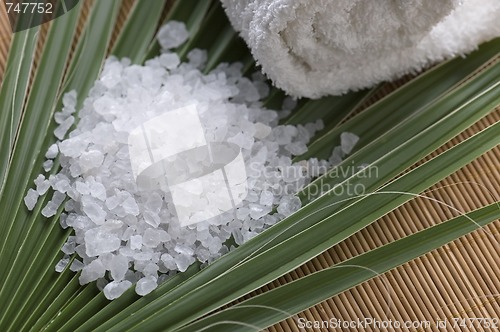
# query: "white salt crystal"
x,y
303,135
112,202
248,91
154,203
59,117
69,99
135,242
261,130
47,165
258,211
91,272
168,261
69,206
50,209
151,269
128,233
61,265
63,128
183,262
197,57
142,256
80,250
145,285
94,212
169,60
247,235
98,241
184,250
151,238
74,146
79,222
348,141
296,148
62,220
91,159
172,35
292,173
252,197
115,289
238,237
164,236
118,267
270,219
291,131
52,151
76,265
203,255
247,127
75,170
98,191
151,218
337,156
53,179
132,276
62,185
69,247
266,198
242,213
31,199
58,198
106,259
244,141
130,206
127,252
82,188
42,185
281,135
288,205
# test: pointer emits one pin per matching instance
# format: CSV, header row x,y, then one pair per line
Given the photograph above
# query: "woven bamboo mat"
x,y
459,280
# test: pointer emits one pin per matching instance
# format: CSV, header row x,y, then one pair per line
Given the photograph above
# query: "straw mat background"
x,y
457,280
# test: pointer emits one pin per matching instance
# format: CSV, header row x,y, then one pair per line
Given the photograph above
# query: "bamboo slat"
x,y
459,280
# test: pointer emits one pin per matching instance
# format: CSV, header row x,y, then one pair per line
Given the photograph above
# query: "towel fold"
x,y
312,48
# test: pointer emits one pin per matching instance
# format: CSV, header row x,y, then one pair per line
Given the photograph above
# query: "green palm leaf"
x,y
396,132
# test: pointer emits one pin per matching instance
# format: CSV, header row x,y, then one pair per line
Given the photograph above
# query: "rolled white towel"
x,y
312,48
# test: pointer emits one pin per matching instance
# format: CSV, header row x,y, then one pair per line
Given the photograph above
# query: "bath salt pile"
x,y
125,235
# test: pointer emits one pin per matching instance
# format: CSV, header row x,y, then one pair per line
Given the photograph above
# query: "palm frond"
x,y
396,132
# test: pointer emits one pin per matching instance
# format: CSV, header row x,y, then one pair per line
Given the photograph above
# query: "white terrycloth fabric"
x,y
312,48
